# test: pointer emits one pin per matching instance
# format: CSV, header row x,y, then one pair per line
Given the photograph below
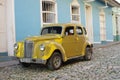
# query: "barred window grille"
x,y
48,12
75,13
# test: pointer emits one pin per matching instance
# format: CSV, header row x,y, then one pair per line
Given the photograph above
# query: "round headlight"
x,y
42,47
15,46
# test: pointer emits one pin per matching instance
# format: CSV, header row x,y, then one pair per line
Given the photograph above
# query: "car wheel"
x,y
24,64
88,54
55,61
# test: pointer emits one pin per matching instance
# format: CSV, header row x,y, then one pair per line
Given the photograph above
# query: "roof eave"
x,y
113,3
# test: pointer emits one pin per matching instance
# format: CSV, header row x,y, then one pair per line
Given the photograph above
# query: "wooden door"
x,y
3,29
89,24
102,26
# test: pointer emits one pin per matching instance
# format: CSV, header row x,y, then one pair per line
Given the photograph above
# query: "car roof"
x,y
62,24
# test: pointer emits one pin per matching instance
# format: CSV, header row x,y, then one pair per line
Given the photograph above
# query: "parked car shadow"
x,y
39,67
73,61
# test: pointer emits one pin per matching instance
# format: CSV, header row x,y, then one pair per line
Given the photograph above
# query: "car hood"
x,y
43,37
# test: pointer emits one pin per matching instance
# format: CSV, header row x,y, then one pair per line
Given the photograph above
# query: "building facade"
x,y
23,18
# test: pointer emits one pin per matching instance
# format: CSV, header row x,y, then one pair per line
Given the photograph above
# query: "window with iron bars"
x,y
48,12
75,13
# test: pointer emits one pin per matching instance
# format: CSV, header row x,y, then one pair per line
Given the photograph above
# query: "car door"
x,y
80,40
69,42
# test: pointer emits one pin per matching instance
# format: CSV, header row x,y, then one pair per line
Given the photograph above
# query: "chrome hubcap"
x,y
57,61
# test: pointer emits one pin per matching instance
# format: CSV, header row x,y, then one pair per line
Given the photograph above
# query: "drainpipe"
x,y
117,37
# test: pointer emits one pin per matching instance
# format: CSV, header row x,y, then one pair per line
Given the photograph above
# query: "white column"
x,y
10,23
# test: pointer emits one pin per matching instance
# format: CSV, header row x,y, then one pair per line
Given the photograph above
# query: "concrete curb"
x,y
106,45
9,63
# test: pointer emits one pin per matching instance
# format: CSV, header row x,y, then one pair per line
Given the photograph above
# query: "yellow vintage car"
x,y
56,44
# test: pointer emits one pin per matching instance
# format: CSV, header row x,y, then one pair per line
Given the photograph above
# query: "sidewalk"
x,y
8,61
95,46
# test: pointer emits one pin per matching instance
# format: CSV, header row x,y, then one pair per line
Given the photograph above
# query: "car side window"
x,y
79,30
69,31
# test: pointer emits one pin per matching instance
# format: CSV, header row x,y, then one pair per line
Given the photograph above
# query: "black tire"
x,y
88,54
55,61
24,64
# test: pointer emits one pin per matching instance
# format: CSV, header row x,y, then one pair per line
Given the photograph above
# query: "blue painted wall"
x,y
109,28
27,18
63,11
82,12
96,21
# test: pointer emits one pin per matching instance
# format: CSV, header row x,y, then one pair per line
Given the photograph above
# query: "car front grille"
x,y
28,49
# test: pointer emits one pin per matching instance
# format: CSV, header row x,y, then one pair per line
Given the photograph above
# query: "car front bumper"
x,y
29,60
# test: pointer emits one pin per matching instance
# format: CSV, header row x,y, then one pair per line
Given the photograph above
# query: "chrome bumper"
x,y
29,60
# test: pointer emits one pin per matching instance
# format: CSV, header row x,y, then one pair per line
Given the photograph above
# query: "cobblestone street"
x,y
105,65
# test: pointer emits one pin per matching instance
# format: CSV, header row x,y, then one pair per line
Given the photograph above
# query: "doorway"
x,y
7,27
3,28
102,26
89,24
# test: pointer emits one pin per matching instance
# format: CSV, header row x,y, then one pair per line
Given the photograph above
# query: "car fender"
x,y
20,51
51,47
84,47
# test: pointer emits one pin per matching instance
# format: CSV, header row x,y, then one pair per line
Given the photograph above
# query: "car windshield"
x,y
51,30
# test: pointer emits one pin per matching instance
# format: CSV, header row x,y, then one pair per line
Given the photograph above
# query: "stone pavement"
x,y
8,61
